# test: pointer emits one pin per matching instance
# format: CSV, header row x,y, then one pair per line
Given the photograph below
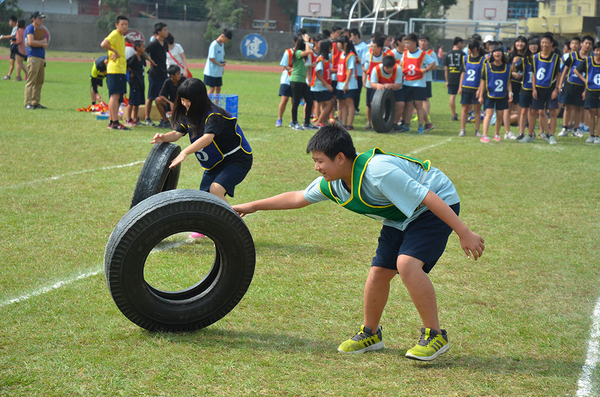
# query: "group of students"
x,y
332,67
531,81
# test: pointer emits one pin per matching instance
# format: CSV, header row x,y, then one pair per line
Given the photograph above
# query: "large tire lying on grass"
x,y
383,110
210,298
156,176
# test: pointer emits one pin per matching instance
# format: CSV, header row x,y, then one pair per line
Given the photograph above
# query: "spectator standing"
x,y
215,63
176,56
13,24
453,62
36,43
157,49
19,49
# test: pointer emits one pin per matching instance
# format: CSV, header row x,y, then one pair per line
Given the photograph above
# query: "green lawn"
x,y
518,320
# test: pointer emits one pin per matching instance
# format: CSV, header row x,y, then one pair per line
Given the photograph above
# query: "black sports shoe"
x,y
40,106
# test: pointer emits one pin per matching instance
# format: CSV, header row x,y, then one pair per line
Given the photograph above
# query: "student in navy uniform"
x,y
470,77
528,115
545,93
216,139
168,94
453,62
589,72
157,75
495,91
137,88
515,60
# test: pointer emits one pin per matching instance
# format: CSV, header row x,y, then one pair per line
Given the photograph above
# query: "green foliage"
x,y
8,8
109,12
223,14
196,10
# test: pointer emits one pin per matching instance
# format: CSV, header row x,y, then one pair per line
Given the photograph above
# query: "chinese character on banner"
x,y
254,46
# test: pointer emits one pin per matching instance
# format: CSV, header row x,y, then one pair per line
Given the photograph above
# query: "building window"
x,y
569,7
553,7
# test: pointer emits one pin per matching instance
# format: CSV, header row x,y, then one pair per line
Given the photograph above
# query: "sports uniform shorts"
x,y
469,96
452,89
544,101
96,83
340,94
525,98
136,96
493,103
228,176
154,87
516,90
116,83
414,93
425,239
322,96
573,94
285,90
370,93
592,99
210,81
429,90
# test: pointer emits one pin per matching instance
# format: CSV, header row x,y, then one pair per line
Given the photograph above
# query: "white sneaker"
x,y
510,135
462,133
590,139
597,140
577,134
563,133
543,136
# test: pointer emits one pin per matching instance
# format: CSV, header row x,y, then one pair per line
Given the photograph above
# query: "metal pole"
x,y
267,16
156,9
185,12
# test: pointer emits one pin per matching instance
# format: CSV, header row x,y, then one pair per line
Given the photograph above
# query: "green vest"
x,y
356,203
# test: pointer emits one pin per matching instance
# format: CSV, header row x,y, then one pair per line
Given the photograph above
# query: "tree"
x,y
223,14
434,9
8,8
109,9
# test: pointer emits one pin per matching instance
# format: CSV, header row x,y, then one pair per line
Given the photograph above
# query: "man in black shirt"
x,y
168,93
157,50
453,60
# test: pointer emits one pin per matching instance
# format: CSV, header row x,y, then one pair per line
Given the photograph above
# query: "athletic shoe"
x,y
314,119
510,136
478,134
363,341
321,125
597,140
138,123
291,124
470,119
196,235
19,78
278,123
164,124
396,127
543,136
297,127
368,126
40,106
590,139
563,133
150,123
310,126
356,112
415,118
485,139
7,77
497,138
431,345
420,130
429,127
578,134
520,136
405,127
455,118
30,107
527,139
585,129
118,126
552,140
130,123
349,128
462,133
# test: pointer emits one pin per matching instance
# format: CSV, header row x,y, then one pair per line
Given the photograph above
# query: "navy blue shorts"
x,y
544,101
452,89
525,98
592,99
210,81
425,239
322,96
399,95
228,176
370,93
562,96
116,83
429,90
136,96
468,97
154,87
285,90
573,94
498,104
516,90
340,94
414,93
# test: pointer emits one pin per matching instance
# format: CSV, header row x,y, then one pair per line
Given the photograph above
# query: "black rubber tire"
x,y
156,176
161,216
383,110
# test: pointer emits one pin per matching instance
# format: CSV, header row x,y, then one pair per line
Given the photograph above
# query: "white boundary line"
x,y
92,273
57,177
586,384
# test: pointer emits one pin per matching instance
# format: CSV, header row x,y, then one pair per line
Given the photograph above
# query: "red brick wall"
x,y
258,12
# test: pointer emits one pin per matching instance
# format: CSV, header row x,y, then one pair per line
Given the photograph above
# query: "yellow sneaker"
x,y
431,345
363,341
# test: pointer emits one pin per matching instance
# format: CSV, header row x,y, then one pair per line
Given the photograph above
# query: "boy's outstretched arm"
x,y
470,242
283,201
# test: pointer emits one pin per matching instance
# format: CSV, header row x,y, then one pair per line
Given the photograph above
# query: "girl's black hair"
x,y
300,44
21,23
201,106
496,49
514,52
345,40
325,49
331,140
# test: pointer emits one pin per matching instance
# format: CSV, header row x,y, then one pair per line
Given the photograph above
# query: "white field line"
x,y
91,273
586,382
57,177
81,276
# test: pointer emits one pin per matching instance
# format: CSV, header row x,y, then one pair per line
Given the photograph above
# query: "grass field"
x,y
519,319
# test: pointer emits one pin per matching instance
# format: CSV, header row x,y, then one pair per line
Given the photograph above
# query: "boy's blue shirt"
x,y
217,52
393,180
